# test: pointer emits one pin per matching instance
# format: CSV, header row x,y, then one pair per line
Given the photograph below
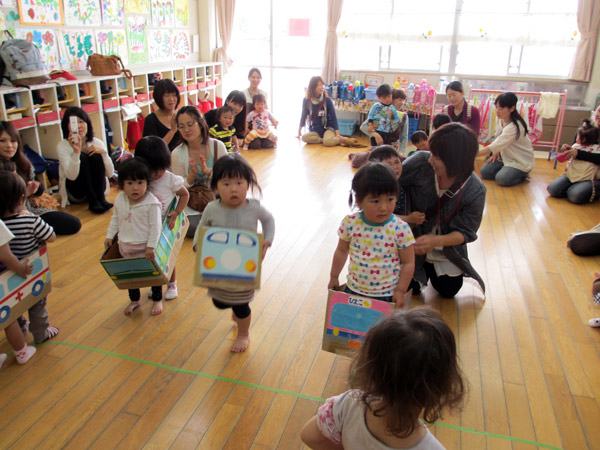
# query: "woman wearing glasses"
x,y
194,158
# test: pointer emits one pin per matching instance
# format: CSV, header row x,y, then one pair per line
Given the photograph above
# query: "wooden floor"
x,y
110,381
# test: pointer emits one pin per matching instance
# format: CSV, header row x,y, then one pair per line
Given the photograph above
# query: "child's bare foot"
x,y
241,343
131,307
157,308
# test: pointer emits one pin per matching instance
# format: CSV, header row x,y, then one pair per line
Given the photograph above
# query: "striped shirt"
x,y
223,134
30,233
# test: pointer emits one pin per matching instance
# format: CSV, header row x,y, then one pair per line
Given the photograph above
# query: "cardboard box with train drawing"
x,y
18,294
132,273
228,258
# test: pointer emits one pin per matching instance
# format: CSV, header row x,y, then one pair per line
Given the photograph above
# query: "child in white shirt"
x,y
260,118
136,218
165,185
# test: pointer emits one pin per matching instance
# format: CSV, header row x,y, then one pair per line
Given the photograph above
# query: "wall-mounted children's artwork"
x,y
347,320
137,7
18,294
112,13
43,12
75,48
180,44
159,45
45,40
132,273
228,258
136,39
8,3
162,13
182,14
82,12
112,42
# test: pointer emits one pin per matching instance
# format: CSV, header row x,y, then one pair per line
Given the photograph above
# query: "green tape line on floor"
x,y
280,391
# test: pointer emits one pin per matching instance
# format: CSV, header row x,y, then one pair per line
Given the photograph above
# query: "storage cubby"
x,y
37,112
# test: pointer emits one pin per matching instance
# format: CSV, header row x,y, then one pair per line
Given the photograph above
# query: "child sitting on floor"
x,y
259,118
224,130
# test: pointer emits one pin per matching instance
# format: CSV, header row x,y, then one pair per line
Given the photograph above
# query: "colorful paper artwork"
x,y
112,13
137,6
182,14
42,12
162,13
113,42
136,39
181,47
8,3
45,40
82,12
159,45
75,48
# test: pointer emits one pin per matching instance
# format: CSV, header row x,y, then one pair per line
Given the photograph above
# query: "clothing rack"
x,y
553,144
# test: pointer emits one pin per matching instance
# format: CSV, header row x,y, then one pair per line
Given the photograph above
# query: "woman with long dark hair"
x,y
512,155
11,149
84,164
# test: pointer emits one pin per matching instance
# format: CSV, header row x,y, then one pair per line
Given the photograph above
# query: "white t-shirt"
x,y
5,234
342,419
165,188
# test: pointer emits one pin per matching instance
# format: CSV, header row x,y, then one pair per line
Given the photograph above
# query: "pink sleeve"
x,y
327,424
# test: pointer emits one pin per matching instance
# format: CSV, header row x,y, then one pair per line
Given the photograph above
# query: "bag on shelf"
x,y
100,65
21,63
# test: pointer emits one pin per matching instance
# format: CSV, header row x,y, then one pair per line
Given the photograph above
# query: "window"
x,y
513,37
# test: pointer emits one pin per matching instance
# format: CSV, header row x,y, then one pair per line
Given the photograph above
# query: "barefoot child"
x,y
136,218
380,245
30,232
392,386
165,186
232,179
23,352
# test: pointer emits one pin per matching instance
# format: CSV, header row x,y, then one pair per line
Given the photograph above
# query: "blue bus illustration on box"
x,y
228,257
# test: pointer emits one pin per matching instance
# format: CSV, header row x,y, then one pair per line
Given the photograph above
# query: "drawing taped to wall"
x,y
159,45
162,13
182,15
82,12
75,48
136,39
112,13
137,6
47,12
113,42
181,44
45,40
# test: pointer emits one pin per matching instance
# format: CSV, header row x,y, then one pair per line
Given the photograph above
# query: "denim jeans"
x,y
580,192
504,175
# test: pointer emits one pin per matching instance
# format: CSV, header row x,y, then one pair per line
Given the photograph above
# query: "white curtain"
x,y
330,59
225,11
588,21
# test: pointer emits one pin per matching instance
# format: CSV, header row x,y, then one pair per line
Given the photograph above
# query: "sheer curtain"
x,y
330,59
225,11
588,21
